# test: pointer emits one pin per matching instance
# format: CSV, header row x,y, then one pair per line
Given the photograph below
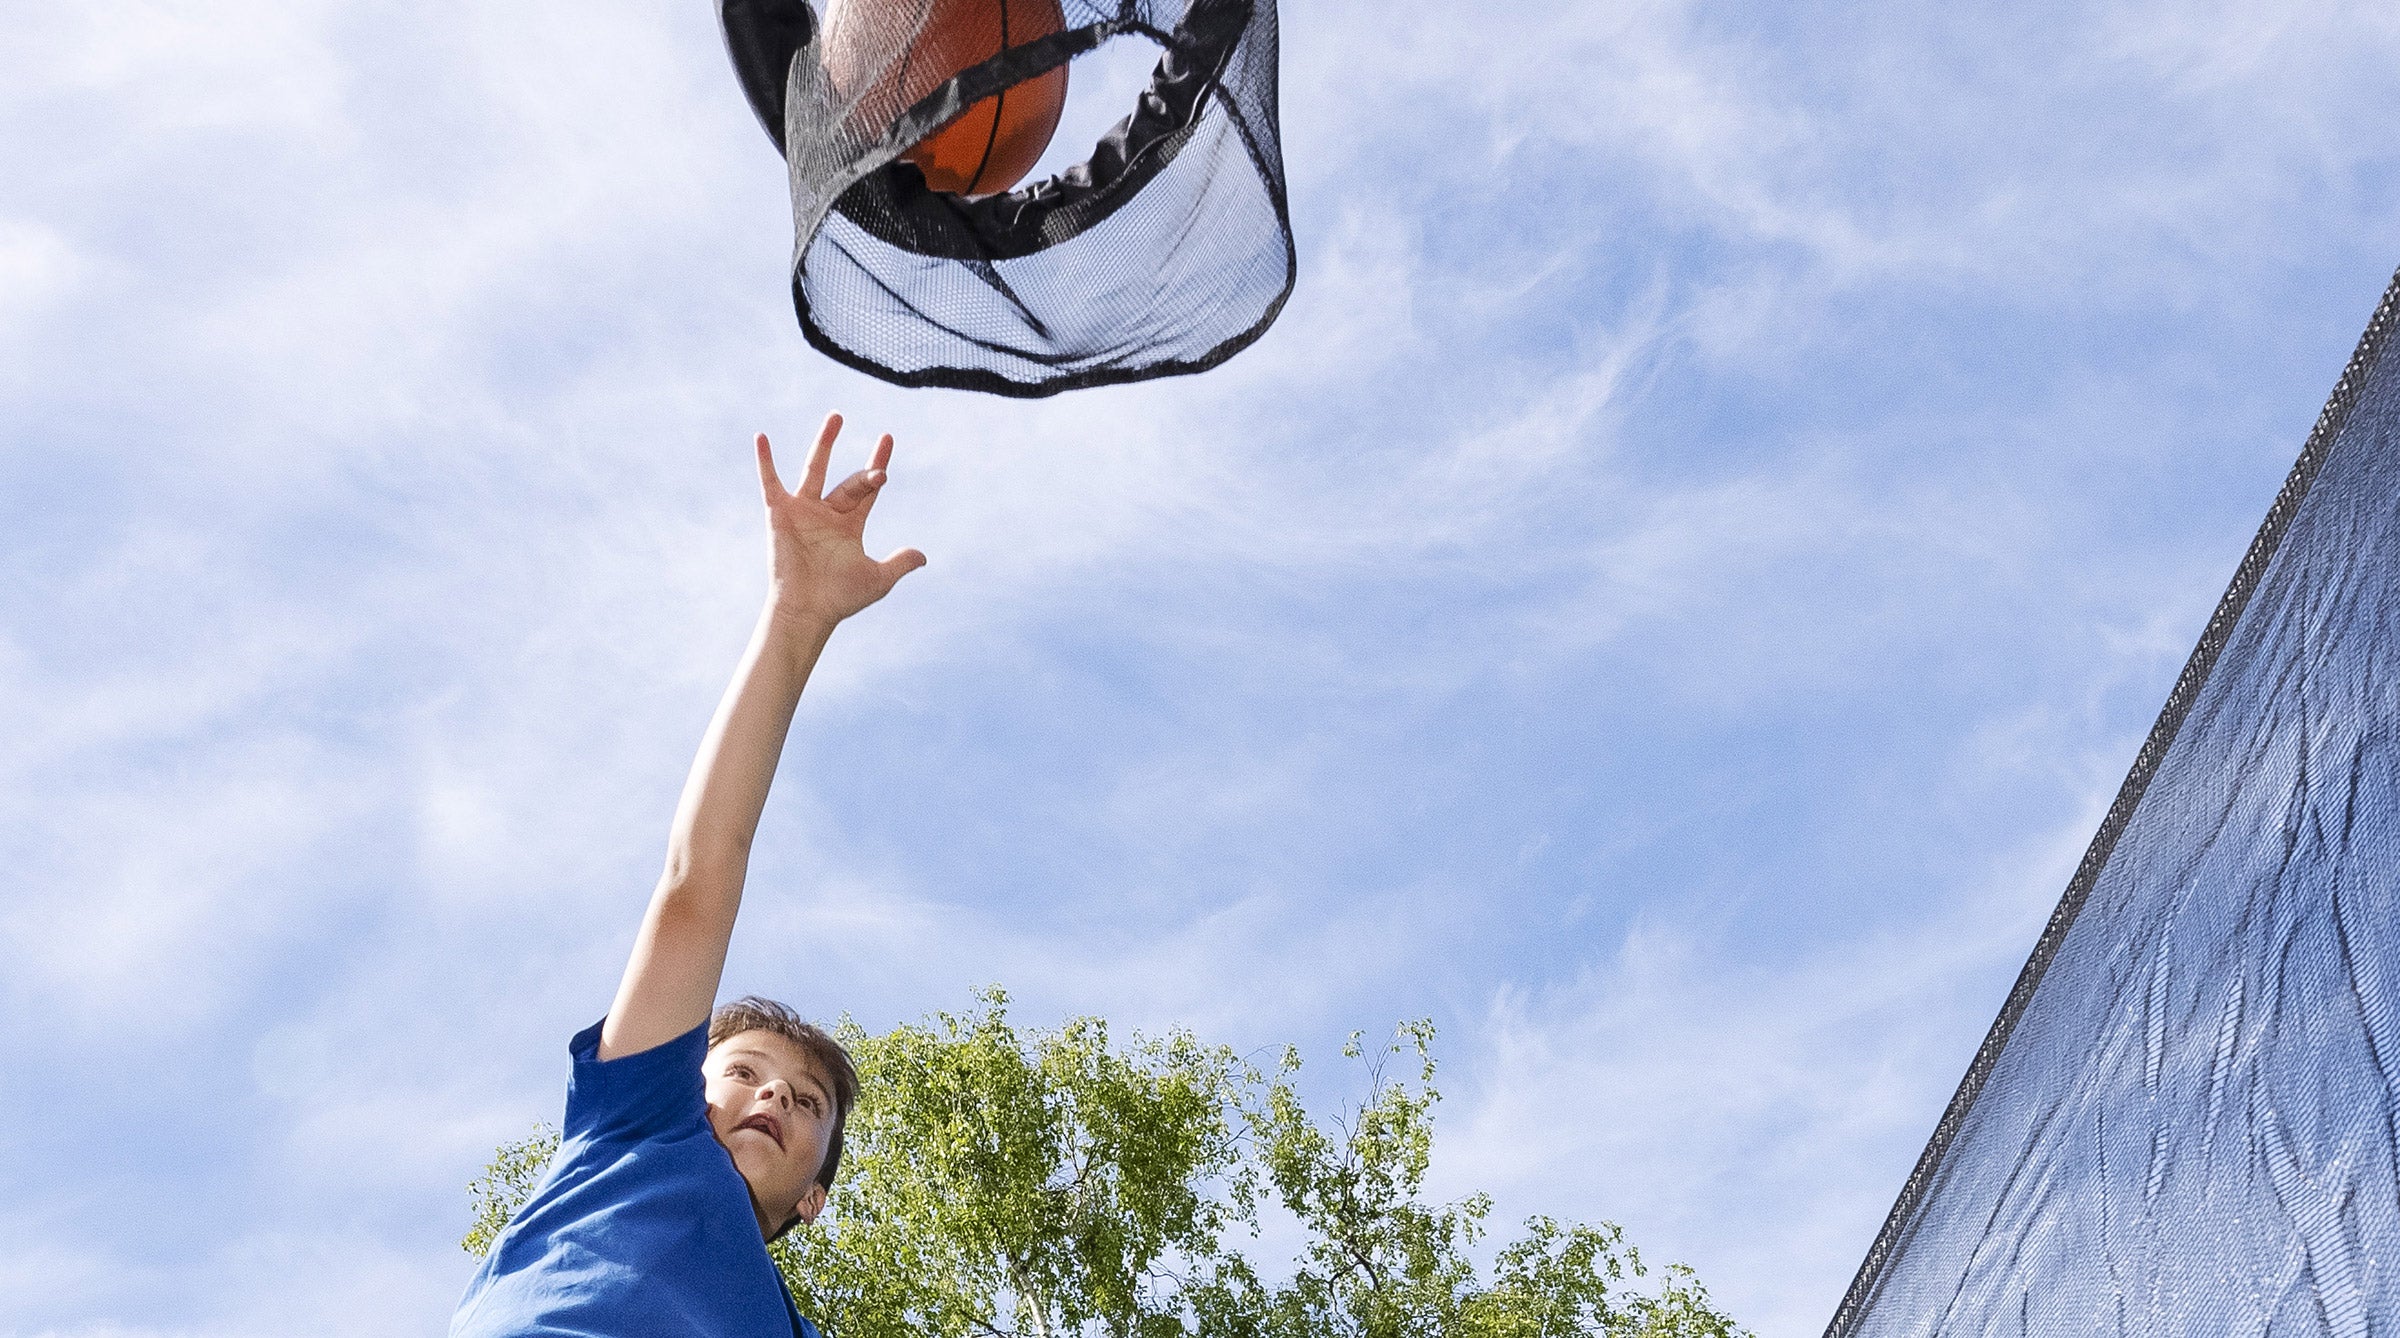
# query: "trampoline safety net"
x,y
2182,1122
1167,250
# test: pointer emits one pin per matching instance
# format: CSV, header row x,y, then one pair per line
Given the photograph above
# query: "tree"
x,y
515,1171
1041,1186
1049,1184
1382,1263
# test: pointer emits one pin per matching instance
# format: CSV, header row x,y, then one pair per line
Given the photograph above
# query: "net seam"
x,y
2188,683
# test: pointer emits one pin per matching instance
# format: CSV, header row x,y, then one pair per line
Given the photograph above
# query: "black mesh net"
x,y
1168,250
2183,1121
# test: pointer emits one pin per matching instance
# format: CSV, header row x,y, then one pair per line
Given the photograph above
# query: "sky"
x,y
1669,601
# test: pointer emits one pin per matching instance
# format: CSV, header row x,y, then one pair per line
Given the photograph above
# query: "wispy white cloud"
x,y
396,532
365,1287
1689,1087
172,66
38,267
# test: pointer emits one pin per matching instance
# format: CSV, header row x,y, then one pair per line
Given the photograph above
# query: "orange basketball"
x,y
994,142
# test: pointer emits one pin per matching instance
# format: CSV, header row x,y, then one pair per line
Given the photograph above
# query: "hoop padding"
x,y
1167,251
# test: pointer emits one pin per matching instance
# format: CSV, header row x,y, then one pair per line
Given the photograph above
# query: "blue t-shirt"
x,y
641,1228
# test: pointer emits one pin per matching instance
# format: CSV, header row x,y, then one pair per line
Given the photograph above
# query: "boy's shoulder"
x,y
653,1093
640,1225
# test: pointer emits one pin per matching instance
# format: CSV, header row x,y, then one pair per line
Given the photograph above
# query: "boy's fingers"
x,y
898,565
883,457
855,491
766,471
812,483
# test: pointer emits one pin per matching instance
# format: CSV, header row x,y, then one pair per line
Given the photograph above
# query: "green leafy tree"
x,y
505,1185
1051,1184
1381,1262
1027,1186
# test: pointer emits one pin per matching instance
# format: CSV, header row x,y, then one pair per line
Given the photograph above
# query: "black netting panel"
x,y
1168,250
2183,1122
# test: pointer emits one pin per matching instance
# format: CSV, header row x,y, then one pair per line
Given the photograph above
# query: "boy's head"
x,y
779,1090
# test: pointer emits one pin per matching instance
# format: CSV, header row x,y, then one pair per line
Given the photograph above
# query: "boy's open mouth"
x,y
766,1124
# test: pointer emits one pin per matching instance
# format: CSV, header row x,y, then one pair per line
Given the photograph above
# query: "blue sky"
x,y
1669,601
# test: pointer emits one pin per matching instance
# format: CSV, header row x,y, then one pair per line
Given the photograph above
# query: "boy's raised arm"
x,y
822,575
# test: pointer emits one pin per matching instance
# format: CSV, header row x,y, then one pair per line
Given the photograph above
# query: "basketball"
x,y
889,54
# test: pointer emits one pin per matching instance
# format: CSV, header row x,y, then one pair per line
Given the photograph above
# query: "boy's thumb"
x,y
900,564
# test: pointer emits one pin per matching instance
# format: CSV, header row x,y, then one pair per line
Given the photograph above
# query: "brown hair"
x,y
751,1013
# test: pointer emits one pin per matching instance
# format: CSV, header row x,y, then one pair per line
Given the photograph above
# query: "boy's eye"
x,y
737,1070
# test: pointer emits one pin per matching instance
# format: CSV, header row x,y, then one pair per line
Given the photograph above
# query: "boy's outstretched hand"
x,y
822,572
822,575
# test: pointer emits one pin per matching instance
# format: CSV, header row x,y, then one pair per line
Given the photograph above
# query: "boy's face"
x,y
772,1108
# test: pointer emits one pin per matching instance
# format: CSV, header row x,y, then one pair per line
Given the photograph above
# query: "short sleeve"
x,y
653,1094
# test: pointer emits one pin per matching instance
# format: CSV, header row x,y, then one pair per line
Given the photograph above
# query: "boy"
x,y
693,1137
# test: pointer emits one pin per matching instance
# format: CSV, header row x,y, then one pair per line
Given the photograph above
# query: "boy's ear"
x,y
811,1204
